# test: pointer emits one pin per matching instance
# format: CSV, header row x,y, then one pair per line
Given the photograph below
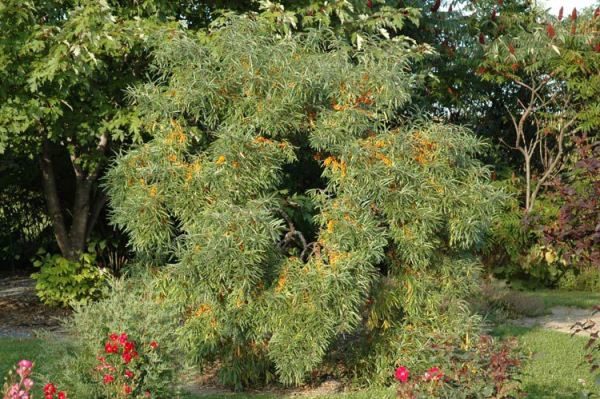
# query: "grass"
x,y
553,371
367,394
555,368
578,299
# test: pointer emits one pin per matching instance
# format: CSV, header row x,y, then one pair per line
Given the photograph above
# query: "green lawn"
x,y
370,394
555,367
578,299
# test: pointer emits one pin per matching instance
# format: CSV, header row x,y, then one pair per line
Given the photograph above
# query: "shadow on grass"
x,y
508,330
539,391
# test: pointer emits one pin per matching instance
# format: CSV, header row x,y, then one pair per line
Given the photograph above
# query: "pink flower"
x,y
13,390
25,364
402,374
27,383
123,338
433,374
23,372
24,368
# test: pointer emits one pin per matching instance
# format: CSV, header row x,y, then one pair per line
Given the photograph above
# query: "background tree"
x,y
555,68
64,69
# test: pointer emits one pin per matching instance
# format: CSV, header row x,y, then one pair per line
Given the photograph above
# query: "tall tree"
x,y
554,70
64,68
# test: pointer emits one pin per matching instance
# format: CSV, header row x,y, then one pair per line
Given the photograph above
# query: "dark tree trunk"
x,y
87,204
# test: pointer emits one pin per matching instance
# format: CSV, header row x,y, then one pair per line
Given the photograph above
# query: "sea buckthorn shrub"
x,y
244,121
122,346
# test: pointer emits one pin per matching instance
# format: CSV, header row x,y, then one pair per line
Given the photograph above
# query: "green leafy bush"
x,y
586,279
129,336
61,282
515,250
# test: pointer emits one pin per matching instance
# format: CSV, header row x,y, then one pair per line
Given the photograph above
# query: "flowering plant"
x,y
122,366
429,382
485,370
20,387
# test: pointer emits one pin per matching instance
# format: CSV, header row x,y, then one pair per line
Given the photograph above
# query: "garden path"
x,y
21,312
560,319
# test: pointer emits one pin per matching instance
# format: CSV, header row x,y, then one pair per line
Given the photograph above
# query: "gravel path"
x,y
21,312
561,319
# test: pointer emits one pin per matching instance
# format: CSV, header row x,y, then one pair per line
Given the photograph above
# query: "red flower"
x,y
127,389
62,395
493,14
436,5
574,14
597,12
123,338
129,346
126,357
114,337
147,394
481,38
49,389
402,374
111,348
500,3
154,344
107,379
370,3
561,13
511,49
433,374
128,374
550,31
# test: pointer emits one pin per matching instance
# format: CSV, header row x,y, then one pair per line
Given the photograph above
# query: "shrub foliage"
x,y
244,122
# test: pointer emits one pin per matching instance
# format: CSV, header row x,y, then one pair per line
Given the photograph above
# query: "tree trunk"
x,y
53,202
71,240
